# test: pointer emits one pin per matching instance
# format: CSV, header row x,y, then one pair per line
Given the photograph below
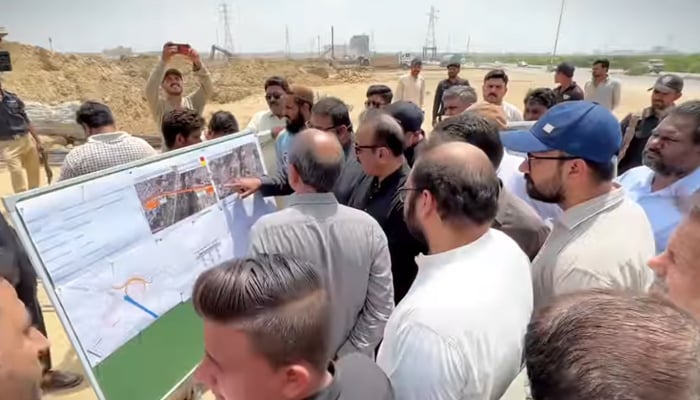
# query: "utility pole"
x,y
372,47
430,42
287,47
225,15
318,43
332,43
556,39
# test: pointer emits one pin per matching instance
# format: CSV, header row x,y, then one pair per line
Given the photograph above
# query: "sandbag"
x,y
57,120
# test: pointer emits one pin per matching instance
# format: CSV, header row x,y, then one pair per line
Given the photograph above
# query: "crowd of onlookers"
x,y
416,265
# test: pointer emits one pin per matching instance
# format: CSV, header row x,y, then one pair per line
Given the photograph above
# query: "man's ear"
x,y
294,177
297,381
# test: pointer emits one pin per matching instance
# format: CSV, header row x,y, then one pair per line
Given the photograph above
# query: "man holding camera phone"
x,y
172,83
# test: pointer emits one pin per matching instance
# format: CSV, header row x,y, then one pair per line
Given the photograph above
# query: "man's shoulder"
x,y
634,176
361,378
358,216
521,213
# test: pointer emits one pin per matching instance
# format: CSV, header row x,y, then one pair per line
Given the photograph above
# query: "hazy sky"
x,y
259,25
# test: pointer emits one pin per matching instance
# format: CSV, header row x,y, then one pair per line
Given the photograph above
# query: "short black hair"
x,y
542,96
382,91
471,128
277,300
604,62
690,109
180,122
278,81
223,123
463,194
334,108
387,131
602,172
497,74
94,115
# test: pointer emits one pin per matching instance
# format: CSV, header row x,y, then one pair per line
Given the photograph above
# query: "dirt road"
x,y
634,97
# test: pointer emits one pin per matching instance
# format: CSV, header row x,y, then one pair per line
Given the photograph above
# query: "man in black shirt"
x,y
379,147
331,115
266,335
410,117
568,89
453,79
636,128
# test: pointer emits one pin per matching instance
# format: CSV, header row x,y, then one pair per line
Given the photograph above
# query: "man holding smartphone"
x,y
172,83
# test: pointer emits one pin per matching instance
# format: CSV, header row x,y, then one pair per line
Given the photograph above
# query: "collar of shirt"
x,y
580,213
110,137
502,204
392,180
685,186
330,392
311,198
433,262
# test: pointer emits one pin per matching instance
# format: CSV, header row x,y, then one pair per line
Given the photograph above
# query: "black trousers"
x,y
27,292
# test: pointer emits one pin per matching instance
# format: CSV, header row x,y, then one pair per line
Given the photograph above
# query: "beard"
x,y
553,197
657,164
296,125
412,223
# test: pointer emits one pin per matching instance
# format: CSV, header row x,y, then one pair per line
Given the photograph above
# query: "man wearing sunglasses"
x,y
603,239
276,88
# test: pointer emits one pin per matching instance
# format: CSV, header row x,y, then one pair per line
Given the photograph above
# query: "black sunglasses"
x,y
274,96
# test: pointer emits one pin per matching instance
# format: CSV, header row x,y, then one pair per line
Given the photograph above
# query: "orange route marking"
x,y
154,202
131,281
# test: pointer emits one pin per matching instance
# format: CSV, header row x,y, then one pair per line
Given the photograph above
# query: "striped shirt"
x,y
350,249
102,151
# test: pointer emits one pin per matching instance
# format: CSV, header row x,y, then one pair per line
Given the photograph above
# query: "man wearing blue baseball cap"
x,y
603,239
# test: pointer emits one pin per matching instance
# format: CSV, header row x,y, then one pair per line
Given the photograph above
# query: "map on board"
x,y
123,249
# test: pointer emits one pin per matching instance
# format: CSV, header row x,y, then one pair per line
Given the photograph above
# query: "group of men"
x,y
427,266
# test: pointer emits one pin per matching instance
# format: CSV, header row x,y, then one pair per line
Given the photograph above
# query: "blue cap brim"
x,y
523,142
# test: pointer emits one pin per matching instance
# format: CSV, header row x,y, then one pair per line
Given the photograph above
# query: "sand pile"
x,y
53,78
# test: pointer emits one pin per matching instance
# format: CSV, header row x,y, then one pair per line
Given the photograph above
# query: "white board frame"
x,y
12,202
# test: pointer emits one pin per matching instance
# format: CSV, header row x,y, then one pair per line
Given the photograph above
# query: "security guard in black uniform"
x,y
453,79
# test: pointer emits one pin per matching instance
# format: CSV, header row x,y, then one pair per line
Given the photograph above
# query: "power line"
x,y
225,14
556,39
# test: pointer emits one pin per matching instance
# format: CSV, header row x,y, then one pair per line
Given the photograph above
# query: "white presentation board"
x,y
120,249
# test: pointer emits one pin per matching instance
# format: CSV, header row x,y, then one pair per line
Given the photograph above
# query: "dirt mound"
x,y
51,78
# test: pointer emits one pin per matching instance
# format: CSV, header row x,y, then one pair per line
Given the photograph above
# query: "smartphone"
x,y
182,48
5,62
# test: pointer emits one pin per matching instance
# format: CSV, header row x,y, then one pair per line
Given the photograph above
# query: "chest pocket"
x,y
13,106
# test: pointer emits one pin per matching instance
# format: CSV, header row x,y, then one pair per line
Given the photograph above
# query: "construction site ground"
x,y
239,90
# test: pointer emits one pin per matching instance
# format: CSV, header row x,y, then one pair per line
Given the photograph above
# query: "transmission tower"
x,y
430,48
225,16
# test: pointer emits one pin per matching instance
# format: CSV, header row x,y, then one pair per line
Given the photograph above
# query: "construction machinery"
x,y
215,49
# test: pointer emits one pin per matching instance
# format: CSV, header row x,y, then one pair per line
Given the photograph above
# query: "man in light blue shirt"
x,y
297,112
670,177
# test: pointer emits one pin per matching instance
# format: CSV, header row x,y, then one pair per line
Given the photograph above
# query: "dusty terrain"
x,y
47,77
57,78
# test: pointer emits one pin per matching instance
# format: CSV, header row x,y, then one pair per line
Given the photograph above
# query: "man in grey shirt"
x,y
347,245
